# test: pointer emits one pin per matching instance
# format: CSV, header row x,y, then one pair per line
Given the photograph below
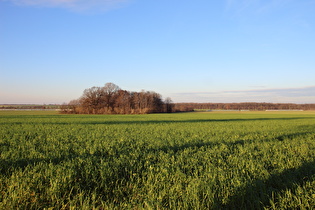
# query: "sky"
x,y
191,51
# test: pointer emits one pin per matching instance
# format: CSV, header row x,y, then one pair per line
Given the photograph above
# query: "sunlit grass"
x,y
210,160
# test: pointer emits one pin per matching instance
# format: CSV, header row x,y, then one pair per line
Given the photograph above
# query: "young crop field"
x,y
213,160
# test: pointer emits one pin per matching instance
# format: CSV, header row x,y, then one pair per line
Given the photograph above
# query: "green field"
x,y
213,160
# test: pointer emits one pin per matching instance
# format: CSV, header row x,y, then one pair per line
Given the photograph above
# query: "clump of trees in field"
x,y
110,99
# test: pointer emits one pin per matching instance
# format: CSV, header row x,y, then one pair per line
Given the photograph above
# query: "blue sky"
x,y
191,51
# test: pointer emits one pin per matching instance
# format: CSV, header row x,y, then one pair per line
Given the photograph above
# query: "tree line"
x,y
110,99
29,106
184,107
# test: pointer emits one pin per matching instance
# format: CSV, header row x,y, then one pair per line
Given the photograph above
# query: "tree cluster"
x,y
110,99
242,106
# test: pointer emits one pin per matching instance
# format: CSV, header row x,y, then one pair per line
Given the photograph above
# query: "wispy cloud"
x,y
74,5
240,7
285,95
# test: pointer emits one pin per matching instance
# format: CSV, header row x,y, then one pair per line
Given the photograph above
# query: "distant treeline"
x,y
184,107
110,99
29,106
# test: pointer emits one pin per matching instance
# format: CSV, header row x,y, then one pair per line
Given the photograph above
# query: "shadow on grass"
x,y
145,122
87,173
23,163
259,193
188,121
232,144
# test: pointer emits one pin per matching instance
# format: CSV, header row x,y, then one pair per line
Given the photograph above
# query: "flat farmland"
x,y
203,160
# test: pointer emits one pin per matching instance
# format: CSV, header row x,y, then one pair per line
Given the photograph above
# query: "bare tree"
x,y
169,106
91,100
108,98
123,103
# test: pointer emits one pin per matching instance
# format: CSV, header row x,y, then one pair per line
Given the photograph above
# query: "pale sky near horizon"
x,y
191,51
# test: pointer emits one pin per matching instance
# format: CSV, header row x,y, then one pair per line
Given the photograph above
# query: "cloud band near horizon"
x,y
284,95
